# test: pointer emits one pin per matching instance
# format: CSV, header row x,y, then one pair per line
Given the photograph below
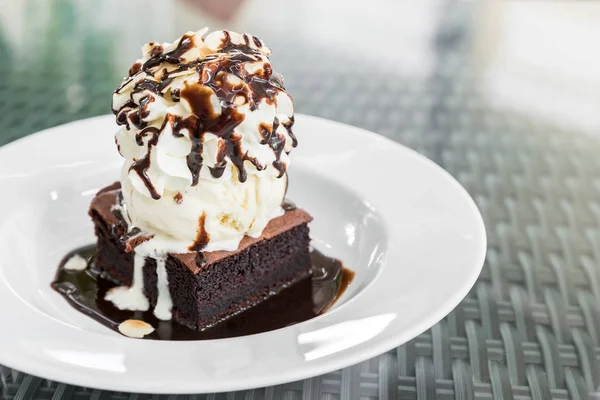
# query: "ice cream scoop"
x,y
206,129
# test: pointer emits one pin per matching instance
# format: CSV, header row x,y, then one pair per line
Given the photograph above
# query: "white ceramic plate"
x,y
411,233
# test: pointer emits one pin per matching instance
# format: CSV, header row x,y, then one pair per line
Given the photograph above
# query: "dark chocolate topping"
x,y
202,237
172,57
141,166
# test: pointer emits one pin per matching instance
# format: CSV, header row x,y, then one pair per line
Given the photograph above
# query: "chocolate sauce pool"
x,y
85,291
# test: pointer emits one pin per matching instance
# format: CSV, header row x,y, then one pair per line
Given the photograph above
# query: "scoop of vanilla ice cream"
x,y
205,133
226,209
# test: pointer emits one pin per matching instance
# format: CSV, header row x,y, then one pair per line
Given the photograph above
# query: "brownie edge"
x,y
227,283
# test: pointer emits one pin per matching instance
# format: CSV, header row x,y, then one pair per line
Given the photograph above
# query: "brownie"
x,y
207,288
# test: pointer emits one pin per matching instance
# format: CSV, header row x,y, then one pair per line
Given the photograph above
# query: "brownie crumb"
x,y
178,198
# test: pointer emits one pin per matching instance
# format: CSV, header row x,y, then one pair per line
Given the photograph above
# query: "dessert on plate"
x,y
197,229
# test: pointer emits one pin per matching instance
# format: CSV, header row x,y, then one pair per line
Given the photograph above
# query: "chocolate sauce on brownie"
x,y
85,290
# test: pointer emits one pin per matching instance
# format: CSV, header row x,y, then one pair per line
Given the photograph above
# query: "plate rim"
x,y
315,369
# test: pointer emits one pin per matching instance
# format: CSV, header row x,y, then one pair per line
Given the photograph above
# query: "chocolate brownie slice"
x,y
209,287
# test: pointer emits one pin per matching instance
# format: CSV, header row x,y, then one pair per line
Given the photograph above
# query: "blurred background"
x,y
395,61
505,95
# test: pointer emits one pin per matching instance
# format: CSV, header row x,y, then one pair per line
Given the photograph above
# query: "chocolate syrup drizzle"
x,y
214,71
202,236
